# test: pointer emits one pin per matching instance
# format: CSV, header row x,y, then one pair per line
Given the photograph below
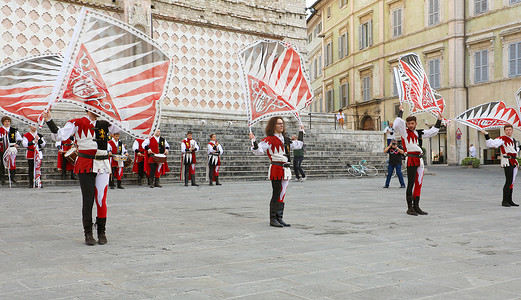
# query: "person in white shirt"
x,y
154,146
472,150
389,130
215,150
31,140
340,118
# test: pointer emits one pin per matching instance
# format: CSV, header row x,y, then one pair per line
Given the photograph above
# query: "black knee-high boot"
x,y
217,180
410,208
100,225
87,229
280,213
273,215
417,208
13,176
510,198
193,180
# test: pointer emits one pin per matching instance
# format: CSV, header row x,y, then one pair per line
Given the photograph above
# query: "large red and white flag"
x,y
274,80
26,84
492,115
414,88
116,71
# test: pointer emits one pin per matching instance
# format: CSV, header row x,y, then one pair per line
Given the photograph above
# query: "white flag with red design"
x,y
116,71
275,82
414,88
25,86
492,115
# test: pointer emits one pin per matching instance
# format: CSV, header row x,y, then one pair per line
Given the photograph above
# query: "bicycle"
x,y
361,169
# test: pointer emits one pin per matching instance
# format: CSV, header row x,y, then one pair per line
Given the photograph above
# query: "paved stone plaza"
x,y
350,239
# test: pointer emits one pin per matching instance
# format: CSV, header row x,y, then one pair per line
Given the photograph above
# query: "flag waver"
x,y
26,84
274,80
414,88
116,71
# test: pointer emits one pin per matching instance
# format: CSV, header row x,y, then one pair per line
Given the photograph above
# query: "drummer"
x,y
65,164
10,140
116,148
155,158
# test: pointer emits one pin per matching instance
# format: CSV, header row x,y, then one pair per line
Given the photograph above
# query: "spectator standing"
x,y
297,144
389,130
340,118
472,150
395,162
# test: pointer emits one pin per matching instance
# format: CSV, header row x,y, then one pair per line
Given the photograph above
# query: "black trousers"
x,y
277,188
2,168
211,170
411,176
30,171
297,166
88,193
141,169
509,178
153,169
64,163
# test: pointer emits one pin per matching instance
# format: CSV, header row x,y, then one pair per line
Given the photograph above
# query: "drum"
x,y
159,159
71,155
118,157
127,163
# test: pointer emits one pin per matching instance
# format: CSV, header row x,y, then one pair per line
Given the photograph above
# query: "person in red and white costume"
x,y
215,150
278,148
155,144
29,141
13,139
63,163
188,149
116,147
139,160
92,166
509,149
412,139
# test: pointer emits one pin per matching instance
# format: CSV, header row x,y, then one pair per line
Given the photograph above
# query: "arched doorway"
x,y
367,123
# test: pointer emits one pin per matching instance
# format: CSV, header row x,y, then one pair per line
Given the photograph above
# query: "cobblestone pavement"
x,y
350,239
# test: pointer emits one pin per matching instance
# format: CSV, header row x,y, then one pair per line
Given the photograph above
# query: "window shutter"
x,y
340,52
484,65
360,36
347,94
477,65
370,33
518,57
346,44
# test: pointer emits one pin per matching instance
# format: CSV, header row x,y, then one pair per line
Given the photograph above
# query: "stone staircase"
x,y
327,150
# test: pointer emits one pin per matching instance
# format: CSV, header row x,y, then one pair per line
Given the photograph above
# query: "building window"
x,y
397,22
365,31
434,73
342,3
318,29
480,6
515,1
394,87
310,38
481,66
343,92
320,65
397,109
311,71
328,12
514,59
329,100
315,67
328,58
434,12
342,46
366,88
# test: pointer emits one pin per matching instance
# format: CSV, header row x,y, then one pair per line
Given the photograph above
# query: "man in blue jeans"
x,y
395,161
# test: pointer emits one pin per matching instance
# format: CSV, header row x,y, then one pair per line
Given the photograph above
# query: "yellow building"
x,y
470,50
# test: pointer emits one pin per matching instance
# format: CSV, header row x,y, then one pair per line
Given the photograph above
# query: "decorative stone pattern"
x,y
206,70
